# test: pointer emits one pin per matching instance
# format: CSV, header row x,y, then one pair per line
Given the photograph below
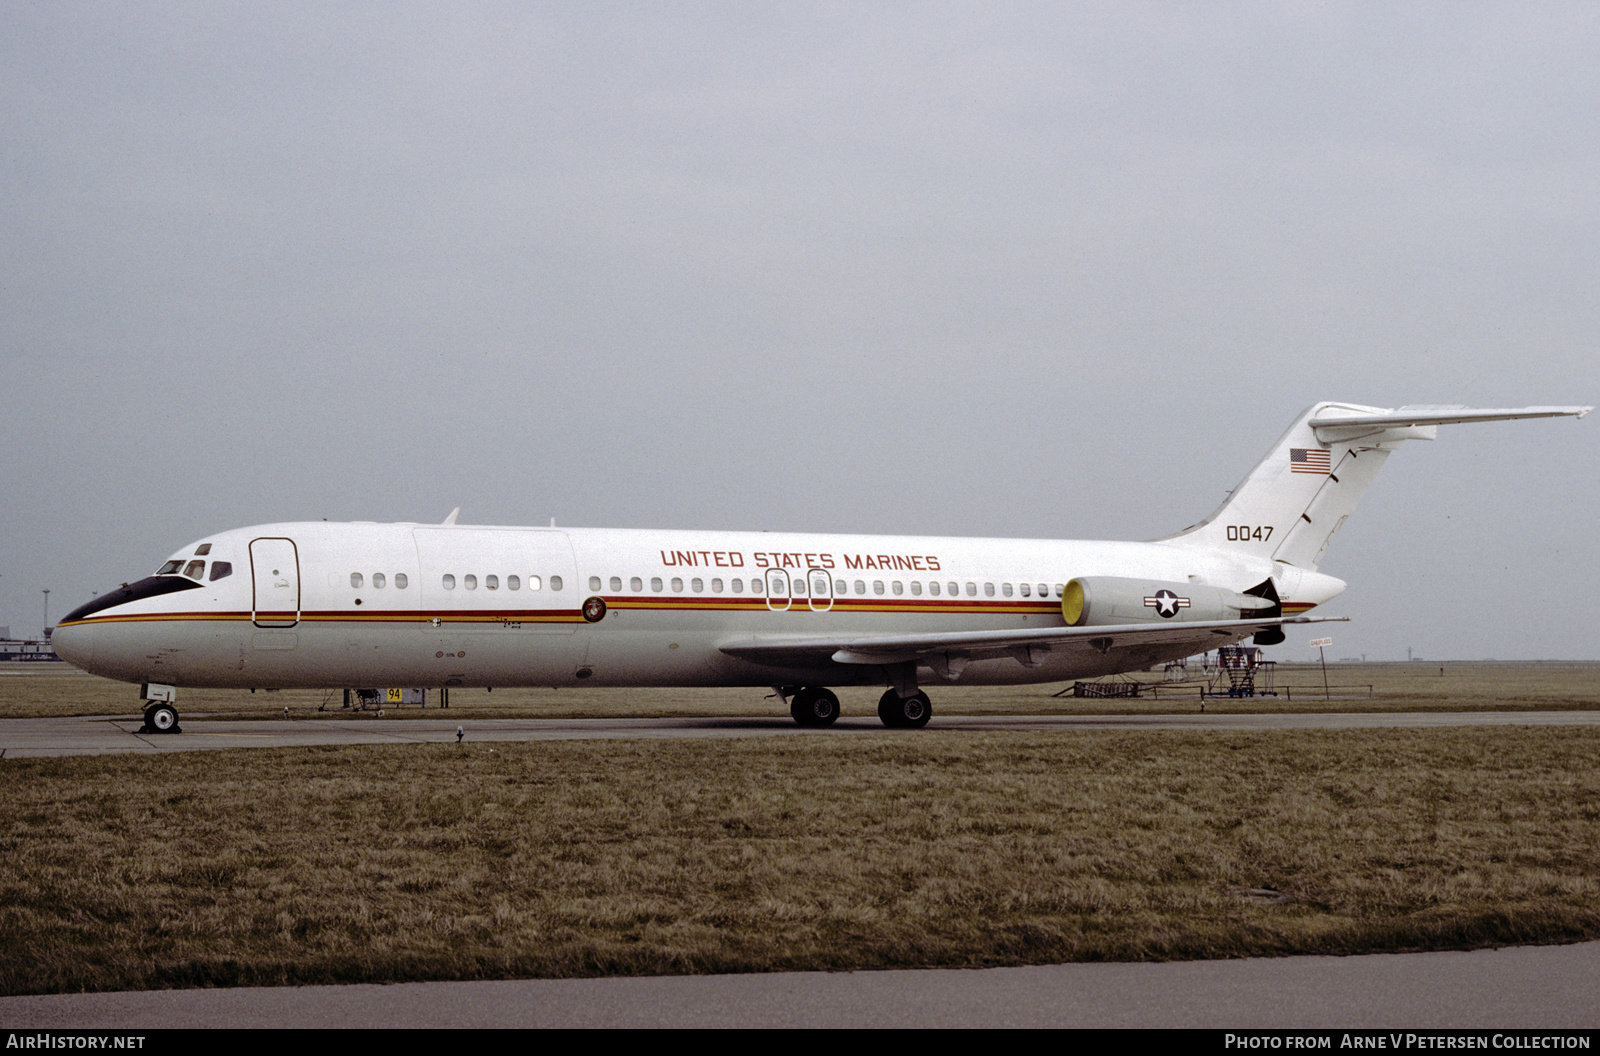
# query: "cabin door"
x,y
821,596
777,590
275,571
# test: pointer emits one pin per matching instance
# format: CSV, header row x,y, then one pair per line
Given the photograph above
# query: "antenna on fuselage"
x,y
452,518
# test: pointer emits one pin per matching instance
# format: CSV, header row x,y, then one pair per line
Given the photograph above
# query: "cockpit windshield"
x,y
196,569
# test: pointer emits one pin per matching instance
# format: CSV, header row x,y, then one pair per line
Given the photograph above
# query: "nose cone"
x,y
75,645
96,637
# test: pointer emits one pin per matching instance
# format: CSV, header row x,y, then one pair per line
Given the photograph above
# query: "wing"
x,y
953,649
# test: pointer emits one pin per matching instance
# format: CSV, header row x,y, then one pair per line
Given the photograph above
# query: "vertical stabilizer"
x,y
1293,502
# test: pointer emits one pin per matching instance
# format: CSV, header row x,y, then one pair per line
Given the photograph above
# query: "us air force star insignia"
x,y
1166,603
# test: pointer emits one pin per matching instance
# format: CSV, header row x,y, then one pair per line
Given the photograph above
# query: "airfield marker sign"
x,y
1321,644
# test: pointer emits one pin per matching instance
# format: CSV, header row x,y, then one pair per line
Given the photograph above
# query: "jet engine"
x,y
1095,600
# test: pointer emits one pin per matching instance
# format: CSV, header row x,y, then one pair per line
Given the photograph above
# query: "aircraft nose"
x,y
75,645
86,638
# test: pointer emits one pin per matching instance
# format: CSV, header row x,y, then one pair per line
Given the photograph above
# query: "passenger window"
x,y
355,580
697,585
616,584
954,589
716,586
655,584
798,588
840,587
933,588
449,581
513,582
1059,588
195,570
491,582
470,582
972,590
636,585
916,587
220,569
1044,590
399,581
169,568
1005,588
897,587
877,586
861,586
533,583
1024,588
757,586
594,582
555,582
737,586
202,550
677,585
988,590
378,581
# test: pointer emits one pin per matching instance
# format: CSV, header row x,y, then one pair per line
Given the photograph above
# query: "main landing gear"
x,y
905,713
814,706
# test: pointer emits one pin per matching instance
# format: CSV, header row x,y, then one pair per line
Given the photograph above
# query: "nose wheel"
x,y
161,718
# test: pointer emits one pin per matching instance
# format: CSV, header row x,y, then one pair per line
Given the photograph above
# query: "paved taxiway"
x,y
21,738
1519,987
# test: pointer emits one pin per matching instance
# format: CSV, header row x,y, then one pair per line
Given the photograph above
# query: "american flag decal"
x,y
1309,460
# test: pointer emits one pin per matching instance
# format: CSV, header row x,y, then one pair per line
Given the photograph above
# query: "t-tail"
x,y
1294,502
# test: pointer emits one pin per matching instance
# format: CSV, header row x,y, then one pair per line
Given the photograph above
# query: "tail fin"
x,y
1290,506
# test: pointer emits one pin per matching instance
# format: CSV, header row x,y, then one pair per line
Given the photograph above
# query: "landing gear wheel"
x,y
814,707
161,718
889,708
899,712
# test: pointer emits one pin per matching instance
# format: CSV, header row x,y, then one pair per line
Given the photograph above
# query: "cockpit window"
x,y
202,550
220,569
195,570
169,568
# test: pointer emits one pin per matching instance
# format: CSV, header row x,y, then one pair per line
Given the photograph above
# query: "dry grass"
x,y
29,690
584,858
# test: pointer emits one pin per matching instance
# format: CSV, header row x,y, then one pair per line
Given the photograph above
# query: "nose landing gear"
x,y
159,714
161,718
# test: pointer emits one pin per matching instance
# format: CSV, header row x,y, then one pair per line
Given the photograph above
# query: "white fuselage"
x,y
350,605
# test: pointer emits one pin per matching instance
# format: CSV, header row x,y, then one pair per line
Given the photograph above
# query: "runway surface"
x,y
97,735
1528,987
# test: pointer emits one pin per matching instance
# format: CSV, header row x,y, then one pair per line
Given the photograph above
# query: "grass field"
x,y
880,850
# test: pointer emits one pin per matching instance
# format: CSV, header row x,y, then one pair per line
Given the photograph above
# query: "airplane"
x,y
320,605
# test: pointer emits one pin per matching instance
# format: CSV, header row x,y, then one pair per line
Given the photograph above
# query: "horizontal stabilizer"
x,y
1336,427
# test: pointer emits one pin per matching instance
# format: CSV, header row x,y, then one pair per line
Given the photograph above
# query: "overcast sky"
x,y
1053,270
